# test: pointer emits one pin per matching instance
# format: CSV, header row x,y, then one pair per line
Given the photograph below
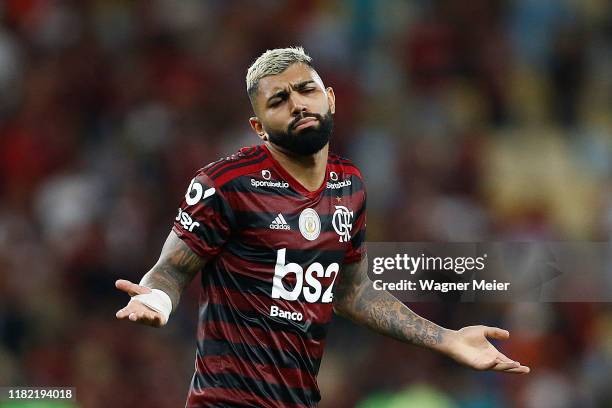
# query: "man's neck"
x,y
308,170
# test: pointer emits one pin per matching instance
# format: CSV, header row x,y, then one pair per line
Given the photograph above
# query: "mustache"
x,y
303,116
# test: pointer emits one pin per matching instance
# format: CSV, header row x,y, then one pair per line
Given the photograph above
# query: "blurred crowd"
x,y
471,120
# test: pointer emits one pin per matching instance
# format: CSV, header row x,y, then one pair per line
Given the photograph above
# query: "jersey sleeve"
x,y
357,246
204,217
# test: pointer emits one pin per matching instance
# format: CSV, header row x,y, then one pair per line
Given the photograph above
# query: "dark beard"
x,y
308,141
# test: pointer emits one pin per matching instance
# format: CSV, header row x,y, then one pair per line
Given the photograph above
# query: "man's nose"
x,y
297,104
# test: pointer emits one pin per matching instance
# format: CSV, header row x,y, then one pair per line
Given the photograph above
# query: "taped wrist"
x,y
157,300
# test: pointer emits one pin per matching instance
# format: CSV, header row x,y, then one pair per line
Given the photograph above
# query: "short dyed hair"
x,y
273,62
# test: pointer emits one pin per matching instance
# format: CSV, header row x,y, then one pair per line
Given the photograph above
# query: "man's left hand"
x,y
469,346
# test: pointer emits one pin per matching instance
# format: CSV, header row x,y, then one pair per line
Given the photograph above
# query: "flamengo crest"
x,y
341,222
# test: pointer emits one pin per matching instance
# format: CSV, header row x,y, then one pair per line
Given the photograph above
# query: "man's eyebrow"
x,y
304,83
299,85
279,93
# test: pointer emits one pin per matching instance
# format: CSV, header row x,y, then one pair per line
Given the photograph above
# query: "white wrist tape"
x,y
157,300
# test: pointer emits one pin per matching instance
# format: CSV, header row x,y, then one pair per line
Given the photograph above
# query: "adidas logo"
x,y
279,223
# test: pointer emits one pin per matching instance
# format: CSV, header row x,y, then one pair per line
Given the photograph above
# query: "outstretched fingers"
x,y
518,370
149,318
505,366
122,313
508,365
137,312
131,308
131,288
496,333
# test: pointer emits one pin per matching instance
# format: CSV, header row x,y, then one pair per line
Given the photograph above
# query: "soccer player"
x,y
278,232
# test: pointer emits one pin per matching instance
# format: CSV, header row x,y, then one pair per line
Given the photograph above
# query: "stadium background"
x,y
471,120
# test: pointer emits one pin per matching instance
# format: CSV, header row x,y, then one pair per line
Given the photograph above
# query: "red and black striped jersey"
x,y
274,251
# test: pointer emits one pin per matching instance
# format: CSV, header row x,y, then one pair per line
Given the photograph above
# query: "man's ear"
x,y
258,128
331,99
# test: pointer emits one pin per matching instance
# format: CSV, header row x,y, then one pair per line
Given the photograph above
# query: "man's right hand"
x,y
136,311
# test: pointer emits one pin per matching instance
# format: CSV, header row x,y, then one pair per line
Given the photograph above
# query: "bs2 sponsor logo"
x,y
305,282
186,221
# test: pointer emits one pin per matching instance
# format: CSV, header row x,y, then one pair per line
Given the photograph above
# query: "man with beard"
x,y
278,233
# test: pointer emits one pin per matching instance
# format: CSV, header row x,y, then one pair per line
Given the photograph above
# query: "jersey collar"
x,y
296,185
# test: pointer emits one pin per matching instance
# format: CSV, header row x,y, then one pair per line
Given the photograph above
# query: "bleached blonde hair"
x,y
273,62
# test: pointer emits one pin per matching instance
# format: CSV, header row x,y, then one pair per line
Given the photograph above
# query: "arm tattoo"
x,y
176,267
357,300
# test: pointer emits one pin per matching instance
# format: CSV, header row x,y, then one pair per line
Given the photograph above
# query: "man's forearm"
x,y
165,278
383,313
176,267
380,311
